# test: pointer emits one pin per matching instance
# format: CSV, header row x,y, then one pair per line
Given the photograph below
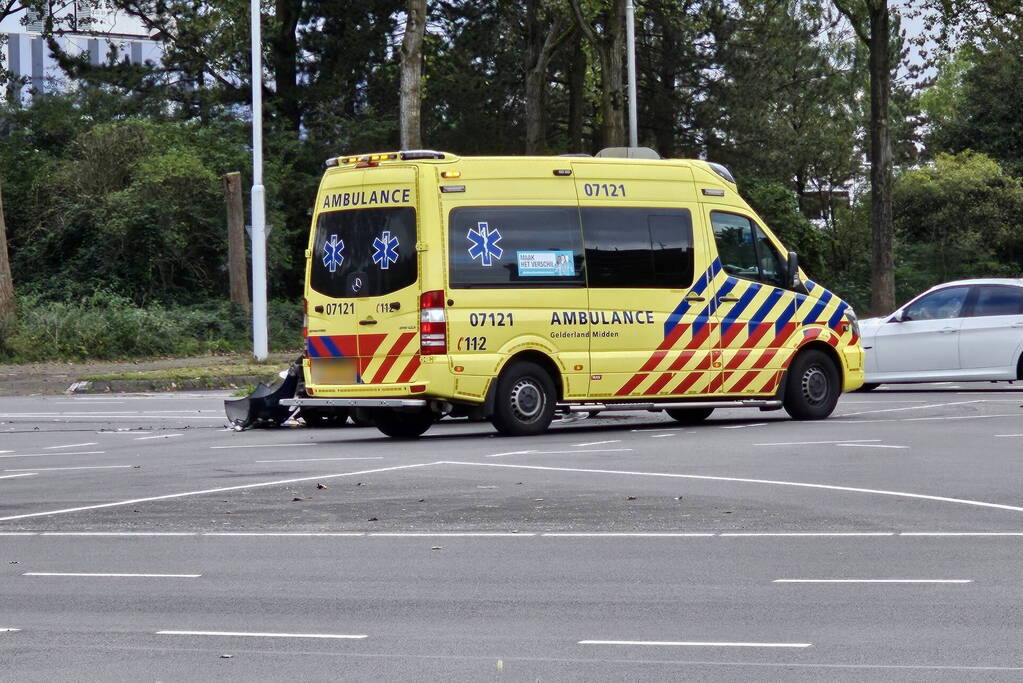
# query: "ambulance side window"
x,y
745,251
515,246
638,248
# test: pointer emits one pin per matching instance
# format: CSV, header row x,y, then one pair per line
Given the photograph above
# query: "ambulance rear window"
x,y
364,252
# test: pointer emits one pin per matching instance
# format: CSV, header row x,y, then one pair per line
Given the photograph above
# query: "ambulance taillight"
x,y
433,324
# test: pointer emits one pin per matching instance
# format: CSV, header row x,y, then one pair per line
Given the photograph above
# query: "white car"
x,y
958,331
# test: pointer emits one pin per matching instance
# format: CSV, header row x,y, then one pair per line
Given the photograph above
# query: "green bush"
x,y
108,326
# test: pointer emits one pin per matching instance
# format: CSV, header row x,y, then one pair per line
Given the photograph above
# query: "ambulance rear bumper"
x,y
410,403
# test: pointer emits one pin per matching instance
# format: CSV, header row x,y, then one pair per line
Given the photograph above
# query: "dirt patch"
x,y
28,379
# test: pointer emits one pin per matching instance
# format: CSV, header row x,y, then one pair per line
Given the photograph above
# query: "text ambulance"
x,y
515,288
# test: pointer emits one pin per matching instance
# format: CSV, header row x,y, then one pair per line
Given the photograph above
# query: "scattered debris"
x,y
297,499
226,656
437,547
373,519
321,486
631,498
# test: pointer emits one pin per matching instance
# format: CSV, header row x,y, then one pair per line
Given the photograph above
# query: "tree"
x,y
412,75
605,31
545,33
871,21
7,306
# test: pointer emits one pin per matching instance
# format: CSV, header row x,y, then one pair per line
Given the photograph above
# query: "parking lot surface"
x,y
140,539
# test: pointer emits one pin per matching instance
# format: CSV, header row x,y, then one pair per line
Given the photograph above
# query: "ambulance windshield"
x,y
364,252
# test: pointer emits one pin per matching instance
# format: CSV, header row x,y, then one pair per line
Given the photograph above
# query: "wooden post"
x,y
7,308
236,240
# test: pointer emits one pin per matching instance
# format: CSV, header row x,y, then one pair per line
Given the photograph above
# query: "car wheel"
x,y
689,416
324,417
525,400
399,425
868,387
813,386
362,418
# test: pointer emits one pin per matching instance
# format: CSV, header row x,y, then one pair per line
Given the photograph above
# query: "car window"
x,y
998,300
745,250
945,303
638,248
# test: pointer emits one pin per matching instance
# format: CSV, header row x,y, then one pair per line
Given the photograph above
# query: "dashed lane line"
x,y
265,445
113,575
242,634
52,455
869,445
376,457
91,467
815,443
592,450
693,643
957,581
71,445
596,443
158,436
13,476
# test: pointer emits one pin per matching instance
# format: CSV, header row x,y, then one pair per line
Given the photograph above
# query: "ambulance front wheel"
x,y
813,386
525,400
401,425
689,416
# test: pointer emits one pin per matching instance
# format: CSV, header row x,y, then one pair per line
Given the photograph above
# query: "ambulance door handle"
x,y
368,321
694,297
728,299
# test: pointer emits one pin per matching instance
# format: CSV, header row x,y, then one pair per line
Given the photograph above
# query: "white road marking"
x,y
115,575
7,629
53,469
17,533
893,410
596,443
806,533
815,443
626,534
379,457
117,416
592,450
117,533
467,534
50,455
957,417
6,451
666,429
266,445
184,494
71,445
743,480
132,432
283,533
872,581
1002,436
158,436
660,436
961,533
12,476
690,643
868,445
755,424
261,635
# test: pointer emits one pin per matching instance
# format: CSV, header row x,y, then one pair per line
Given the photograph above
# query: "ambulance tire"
x,y
324,417
689,416
813,387
399,425
525,400
361,417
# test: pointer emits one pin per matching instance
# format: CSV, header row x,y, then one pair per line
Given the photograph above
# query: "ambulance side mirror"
x,y
792,271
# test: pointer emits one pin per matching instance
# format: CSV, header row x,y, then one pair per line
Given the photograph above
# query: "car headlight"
x,y
854,322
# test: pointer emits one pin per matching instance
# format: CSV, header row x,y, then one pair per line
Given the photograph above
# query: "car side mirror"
x,y
898,317
792,271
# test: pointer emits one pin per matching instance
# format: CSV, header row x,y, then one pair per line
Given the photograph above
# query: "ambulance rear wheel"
x,y
401,425
689,416
813,386
525,400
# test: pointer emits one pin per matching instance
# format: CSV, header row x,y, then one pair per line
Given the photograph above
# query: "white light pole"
x,y
630,39
258,234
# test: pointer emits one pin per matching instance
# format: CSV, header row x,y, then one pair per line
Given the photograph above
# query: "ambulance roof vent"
x,y
628,153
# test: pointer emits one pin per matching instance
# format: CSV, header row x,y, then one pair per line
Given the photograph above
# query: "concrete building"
x,y
85,26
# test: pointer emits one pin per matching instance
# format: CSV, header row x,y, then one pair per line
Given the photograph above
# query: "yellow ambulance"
x,y
516,289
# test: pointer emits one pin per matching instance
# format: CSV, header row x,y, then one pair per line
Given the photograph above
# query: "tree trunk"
x,y
577,95
610,49
283,60
236,267
542,44
7,308
412,76
882,279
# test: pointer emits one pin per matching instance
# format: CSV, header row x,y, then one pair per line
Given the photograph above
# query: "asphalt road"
x,y
141,540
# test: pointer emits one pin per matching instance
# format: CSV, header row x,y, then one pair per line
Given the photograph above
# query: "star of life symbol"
x,y
332,256
484,244
385,249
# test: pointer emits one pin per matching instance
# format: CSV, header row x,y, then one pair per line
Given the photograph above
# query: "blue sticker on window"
x,y
545,263
332,256
484,244
385,249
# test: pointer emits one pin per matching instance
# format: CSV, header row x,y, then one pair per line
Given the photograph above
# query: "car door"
x,y
923,337
992,332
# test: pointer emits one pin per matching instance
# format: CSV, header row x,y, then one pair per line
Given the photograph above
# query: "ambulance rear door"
x,y
363,294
